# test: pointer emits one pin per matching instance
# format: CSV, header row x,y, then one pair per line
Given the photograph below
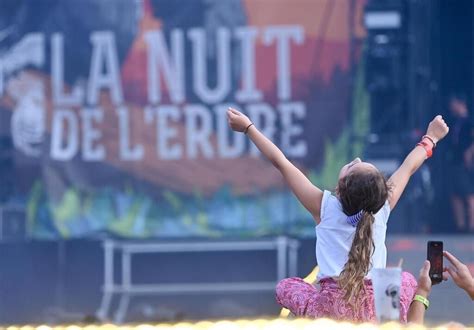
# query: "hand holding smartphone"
x,y
435,257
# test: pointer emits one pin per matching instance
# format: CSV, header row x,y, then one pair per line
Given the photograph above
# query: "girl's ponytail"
x,y
351,279
365,193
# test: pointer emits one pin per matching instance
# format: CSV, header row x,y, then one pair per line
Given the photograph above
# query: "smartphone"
x,y
435,257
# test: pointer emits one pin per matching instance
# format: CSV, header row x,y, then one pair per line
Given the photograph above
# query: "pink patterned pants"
x,y
303,299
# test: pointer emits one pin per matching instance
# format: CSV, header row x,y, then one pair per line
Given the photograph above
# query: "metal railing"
x,y
286,257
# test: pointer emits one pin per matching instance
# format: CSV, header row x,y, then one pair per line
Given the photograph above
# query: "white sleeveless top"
x,y
334,237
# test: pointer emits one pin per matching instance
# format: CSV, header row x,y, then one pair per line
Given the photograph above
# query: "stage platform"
x,y
60,282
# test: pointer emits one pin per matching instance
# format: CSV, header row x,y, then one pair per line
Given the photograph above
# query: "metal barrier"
x,y
286,254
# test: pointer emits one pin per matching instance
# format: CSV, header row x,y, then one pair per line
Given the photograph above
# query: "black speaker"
x,y
384,64
386,44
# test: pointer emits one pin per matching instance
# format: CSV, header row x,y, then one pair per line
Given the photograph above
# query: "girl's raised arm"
x,y
307,193
437,130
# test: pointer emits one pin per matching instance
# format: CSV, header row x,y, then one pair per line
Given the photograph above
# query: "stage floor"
x,y
68,276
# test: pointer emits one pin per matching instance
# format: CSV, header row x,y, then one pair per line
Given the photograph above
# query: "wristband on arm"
x,y
247,128
423,300
429,138
428,148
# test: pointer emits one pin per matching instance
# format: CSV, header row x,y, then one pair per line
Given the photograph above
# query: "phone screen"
x,y
435,257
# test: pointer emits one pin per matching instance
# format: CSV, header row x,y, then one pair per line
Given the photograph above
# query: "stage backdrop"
x,y
113,112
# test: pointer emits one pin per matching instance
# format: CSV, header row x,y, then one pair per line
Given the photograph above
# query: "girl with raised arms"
x,y
350,228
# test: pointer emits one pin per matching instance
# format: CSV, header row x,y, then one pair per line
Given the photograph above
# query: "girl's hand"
x,y
237,120
437,129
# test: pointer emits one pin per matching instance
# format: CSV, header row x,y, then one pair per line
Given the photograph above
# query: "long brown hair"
x,y
367,192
